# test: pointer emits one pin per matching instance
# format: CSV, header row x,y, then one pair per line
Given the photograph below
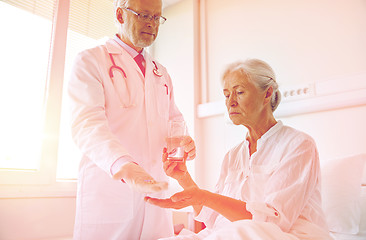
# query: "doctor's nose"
x,y
152,24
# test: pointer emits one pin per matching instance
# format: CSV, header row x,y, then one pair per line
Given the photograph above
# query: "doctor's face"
x,y
244,100
136,32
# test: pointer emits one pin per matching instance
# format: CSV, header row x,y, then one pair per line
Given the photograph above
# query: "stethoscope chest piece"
x,y
157,73
156,70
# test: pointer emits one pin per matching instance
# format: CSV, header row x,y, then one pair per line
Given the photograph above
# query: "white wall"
x,y
304,41
174,49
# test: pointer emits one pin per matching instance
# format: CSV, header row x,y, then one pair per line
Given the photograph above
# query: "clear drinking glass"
x,y
176,132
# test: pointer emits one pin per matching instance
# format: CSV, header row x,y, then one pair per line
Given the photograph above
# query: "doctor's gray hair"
x,y
119,3
260,73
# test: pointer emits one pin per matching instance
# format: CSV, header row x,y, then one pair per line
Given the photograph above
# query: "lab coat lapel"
x,y
148,66
152,114
150,91
114,48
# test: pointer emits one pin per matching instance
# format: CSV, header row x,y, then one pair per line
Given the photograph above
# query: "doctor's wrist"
x,y
124,171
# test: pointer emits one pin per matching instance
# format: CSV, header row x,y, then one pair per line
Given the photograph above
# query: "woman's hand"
x,y
189,147
176,170
231,208
193,196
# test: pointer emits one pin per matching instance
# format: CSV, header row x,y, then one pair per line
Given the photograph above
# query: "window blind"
x,y
43,8
92,18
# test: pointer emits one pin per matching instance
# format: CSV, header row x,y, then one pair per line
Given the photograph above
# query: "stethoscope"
x,y
114,67
119,69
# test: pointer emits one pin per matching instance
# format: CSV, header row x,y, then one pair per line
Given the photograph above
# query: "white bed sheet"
x,y
250,230
361,235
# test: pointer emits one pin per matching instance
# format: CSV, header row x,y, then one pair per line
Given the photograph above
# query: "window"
x,y
25,49
36,146
23,85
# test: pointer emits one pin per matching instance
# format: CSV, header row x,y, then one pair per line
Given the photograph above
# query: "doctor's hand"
x,y
189,147
138,179
190,197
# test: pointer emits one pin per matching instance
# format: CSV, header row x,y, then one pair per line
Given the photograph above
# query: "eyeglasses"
x,y
147,17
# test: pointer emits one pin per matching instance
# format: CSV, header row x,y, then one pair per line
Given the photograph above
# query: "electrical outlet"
x,y
296,92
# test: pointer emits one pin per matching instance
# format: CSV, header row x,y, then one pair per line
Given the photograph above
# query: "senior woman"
x,y
269,186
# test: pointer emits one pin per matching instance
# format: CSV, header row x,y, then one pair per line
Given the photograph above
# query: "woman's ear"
x,y
119,14
268,96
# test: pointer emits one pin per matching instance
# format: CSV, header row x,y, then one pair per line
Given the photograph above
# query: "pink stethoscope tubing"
x,y
123,73
114,66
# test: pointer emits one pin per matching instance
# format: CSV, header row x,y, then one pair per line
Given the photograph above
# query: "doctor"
x,y
121,101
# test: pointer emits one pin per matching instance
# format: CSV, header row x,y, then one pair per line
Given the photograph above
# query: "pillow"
x,y
362,232
341,189
363,180
362,229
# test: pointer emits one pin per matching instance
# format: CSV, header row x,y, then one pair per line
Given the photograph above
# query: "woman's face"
x,y
244,101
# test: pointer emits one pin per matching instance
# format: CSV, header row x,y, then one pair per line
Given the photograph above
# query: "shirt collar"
x,y
275,128
267,134
133,53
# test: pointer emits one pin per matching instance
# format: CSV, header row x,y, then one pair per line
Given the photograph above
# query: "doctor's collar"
x,y
133,53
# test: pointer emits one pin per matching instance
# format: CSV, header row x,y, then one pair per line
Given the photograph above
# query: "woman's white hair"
x,y
260,73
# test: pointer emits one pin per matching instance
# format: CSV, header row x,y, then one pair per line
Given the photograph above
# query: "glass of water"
x,y
177,130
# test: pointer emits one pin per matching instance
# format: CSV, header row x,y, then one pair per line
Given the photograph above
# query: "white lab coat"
x,y
105,130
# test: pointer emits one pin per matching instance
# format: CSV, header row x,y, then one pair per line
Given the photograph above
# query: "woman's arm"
x,y
178,171
230,208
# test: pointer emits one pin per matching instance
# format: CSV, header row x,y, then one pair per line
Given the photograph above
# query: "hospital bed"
x,y
344,197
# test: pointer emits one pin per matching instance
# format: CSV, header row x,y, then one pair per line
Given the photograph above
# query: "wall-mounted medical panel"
x,y
330,94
